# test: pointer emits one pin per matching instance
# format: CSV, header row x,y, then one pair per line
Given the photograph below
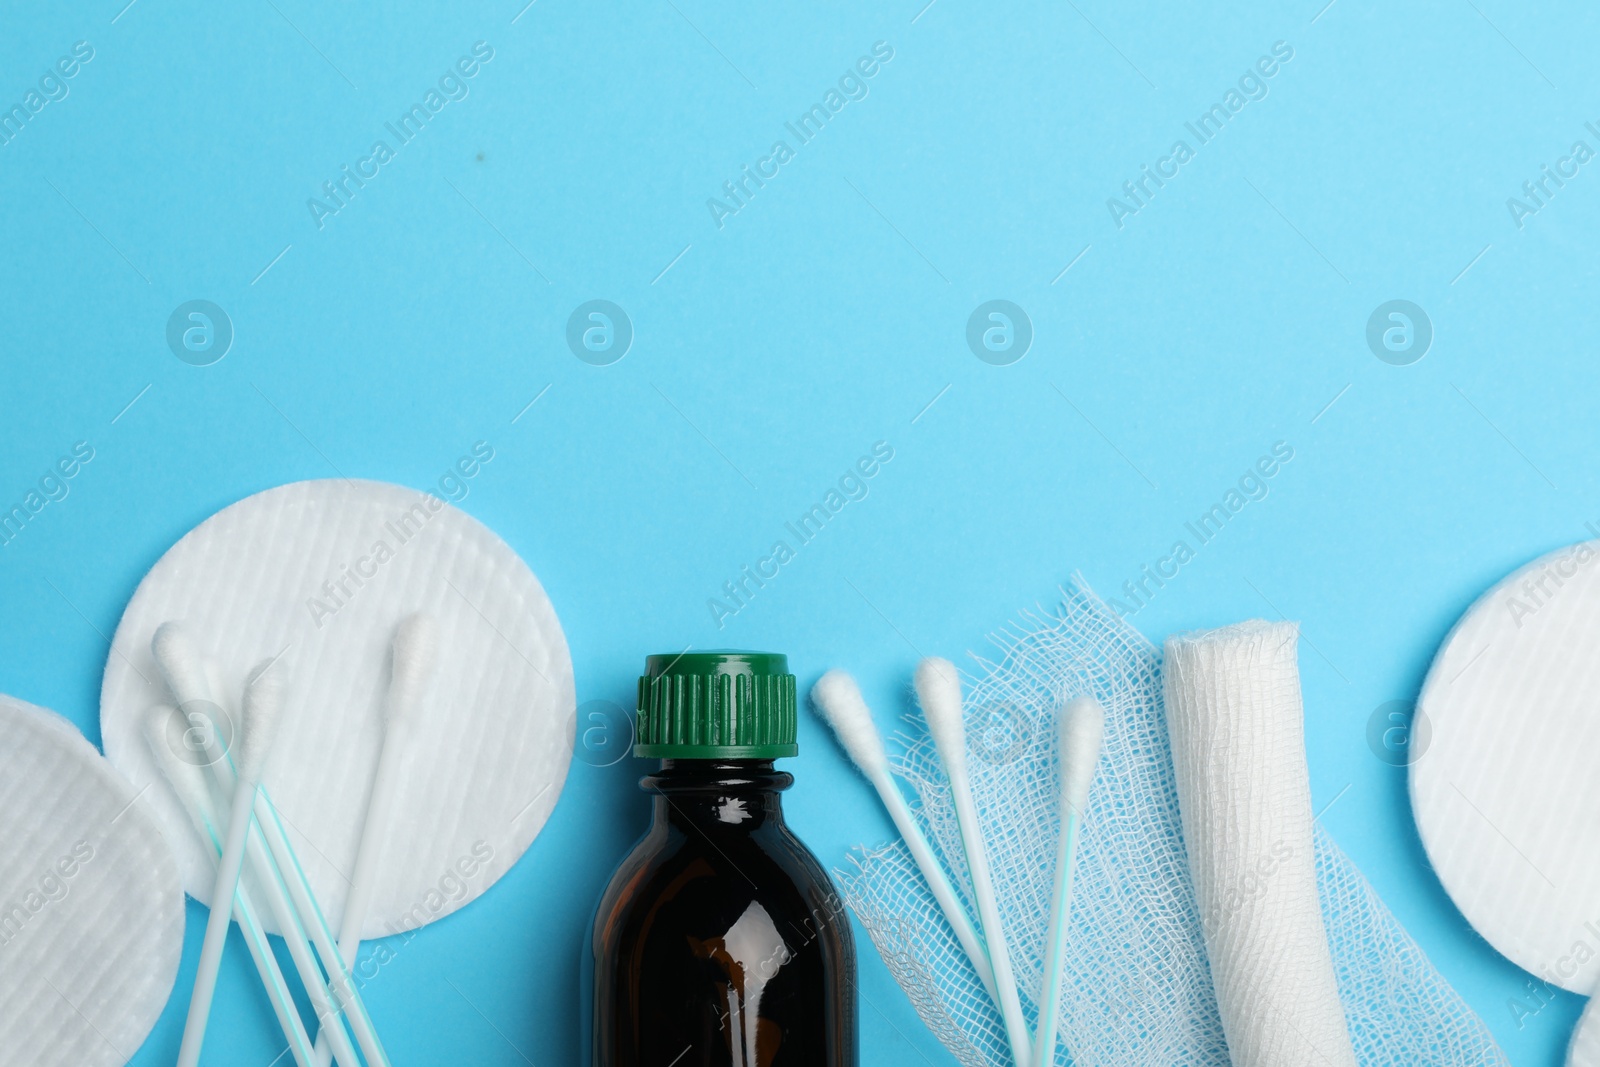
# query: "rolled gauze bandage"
x,y
1238,753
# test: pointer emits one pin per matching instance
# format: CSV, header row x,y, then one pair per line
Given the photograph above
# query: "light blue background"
x,y
1228,314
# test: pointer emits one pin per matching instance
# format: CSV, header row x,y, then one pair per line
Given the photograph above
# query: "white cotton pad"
x,y
1239,758
1504,779
328,570
1584,1051
91,910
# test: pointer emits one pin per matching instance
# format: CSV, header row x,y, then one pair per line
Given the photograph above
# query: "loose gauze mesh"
x,y
1138,985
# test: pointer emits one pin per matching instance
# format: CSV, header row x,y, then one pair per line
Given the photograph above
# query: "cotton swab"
x,y
1083,728
263,698
342,985
193,685
182,666
190,787
415,649
839,699
289,891
939,690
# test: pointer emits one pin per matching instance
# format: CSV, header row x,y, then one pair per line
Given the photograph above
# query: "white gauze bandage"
x,y
1238,754
91,911
1138,987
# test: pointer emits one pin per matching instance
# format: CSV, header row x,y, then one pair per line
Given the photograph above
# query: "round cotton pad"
x,y
1506,792
1584,1051
91,910
324,572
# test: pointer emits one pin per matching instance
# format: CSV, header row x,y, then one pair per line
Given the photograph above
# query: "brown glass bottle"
x,y
719,941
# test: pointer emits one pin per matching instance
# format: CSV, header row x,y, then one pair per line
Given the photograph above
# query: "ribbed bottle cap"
x,y
716,705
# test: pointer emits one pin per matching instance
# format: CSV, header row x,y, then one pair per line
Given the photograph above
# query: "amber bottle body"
x,y
719,941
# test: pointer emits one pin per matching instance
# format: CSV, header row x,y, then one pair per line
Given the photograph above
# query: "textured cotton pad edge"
x,y
1497,723
91,907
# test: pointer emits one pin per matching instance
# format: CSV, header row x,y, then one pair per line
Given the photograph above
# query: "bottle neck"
x,y
719,795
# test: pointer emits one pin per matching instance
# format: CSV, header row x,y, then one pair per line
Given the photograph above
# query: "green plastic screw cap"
x,y
716,705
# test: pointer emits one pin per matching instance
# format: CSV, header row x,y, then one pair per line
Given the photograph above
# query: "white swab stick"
x,y
190,787
342,985
1083,728
939,690
182,666
300,949
296,908
415,647
263,698
839,699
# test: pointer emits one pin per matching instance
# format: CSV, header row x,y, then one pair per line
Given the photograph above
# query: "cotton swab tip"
x,y
938,686
416,646
1083,728
839,699
263,704
181,663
